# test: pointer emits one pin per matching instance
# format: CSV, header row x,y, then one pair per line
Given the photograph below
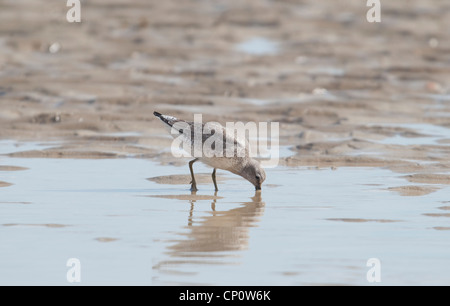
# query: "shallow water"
x,y
432,135
308,226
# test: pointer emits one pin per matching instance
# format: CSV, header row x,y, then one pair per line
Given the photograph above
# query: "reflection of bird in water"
x,y
221,230
225,230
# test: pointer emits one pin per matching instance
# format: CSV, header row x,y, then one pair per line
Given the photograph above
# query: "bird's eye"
x,y
257,177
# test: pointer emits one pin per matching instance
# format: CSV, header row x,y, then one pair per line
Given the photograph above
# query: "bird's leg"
x,y
214,179
193,183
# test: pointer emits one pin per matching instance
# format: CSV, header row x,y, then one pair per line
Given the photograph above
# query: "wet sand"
x,y
338,85
347,93
4,184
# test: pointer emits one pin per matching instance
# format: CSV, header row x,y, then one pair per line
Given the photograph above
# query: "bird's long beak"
x,y
258,187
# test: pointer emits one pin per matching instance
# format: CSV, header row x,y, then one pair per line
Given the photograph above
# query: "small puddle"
x,y
433,135
12,146
259,46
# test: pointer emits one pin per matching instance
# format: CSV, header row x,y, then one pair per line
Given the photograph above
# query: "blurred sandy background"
x,y
337,84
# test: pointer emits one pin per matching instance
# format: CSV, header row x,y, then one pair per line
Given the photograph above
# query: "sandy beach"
x,y
337,84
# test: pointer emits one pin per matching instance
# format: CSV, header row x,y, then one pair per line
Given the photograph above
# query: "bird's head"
x,y
254,173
